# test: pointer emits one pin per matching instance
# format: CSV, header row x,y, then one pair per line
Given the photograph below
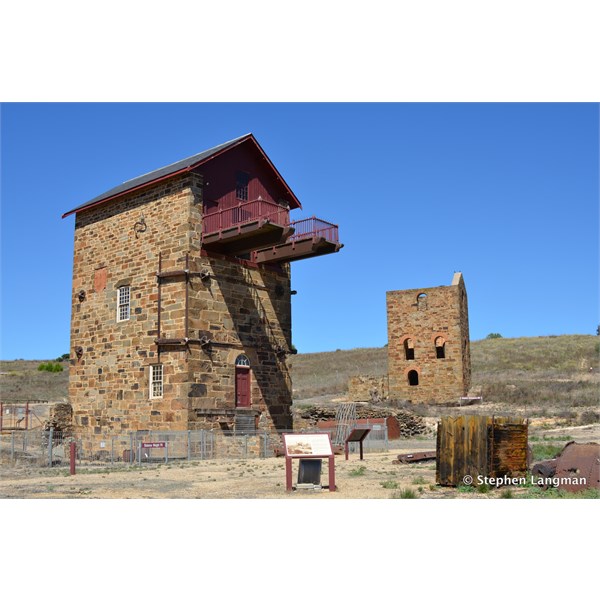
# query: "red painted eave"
x,y
294,204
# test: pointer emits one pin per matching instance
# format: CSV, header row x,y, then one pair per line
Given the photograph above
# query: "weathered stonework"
x,y
369,388
239,308
428,344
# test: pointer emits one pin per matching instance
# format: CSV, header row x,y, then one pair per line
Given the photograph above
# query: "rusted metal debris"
x,y
473,446
576,468
415,457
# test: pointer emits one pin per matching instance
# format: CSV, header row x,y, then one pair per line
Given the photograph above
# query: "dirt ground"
x,y
376,477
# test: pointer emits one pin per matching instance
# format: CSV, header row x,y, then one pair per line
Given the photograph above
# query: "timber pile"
x,y
60,417
410,424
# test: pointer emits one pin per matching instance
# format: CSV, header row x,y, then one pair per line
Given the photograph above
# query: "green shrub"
x,y
405,494
545,451
507,494
358,471
493,336
51,367
389,485
418,480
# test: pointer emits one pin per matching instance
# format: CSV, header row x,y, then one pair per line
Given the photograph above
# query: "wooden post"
x,y
331,474
72,454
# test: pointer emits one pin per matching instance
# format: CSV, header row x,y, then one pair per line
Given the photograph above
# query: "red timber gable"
x,y
246,150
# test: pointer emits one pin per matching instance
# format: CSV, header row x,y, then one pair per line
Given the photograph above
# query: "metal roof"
x,y
187,164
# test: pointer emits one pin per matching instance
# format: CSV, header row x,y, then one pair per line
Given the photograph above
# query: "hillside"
x,y
543,373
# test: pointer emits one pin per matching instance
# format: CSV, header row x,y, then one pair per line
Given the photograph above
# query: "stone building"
x,y
181,305
428,343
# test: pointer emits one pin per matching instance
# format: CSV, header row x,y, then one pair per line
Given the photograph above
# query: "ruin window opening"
x,y
124,303
422,301
413,378
241,186
409,349
440,347
156,381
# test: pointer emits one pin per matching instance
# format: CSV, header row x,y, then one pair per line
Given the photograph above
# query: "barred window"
x,y
123,305
241,186
156,381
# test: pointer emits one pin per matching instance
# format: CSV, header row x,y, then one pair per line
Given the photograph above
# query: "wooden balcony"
x,y
311,237
245,227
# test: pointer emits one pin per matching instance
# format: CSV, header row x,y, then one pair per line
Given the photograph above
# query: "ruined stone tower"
x,y
181,305
429,358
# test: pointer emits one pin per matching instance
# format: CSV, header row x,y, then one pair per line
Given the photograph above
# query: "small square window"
x,y
123,304
156,381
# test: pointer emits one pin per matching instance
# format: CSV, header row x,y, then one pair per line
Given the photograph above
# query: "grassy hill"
x,y
560,372
554,371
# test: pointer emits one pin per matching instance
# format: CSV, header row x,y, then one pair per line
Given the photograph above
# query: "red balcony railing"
x,y
246,212
313,227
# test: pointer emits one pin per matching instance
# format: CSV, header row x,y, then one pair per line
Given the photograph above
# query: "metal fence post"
x,y
189,440
12,445
112,450
245,446
130,448
50,439
266,444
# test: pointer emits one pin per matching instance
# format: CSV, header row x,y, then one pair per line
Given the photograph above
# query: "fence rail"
x,y
51,448
245,212
313,227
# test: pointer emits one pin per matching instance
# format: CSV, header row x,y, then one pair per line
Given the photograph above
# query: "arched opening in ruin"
x,y
409,349
440,347
422,301
413,378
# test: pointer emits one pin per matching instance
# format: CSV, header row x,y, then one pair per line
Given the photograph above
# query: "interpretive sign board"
x,y
308,445
357,435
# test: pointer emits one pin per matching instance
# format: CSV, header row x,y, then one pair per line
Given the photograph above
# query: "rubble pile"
x,y
60,418
410,423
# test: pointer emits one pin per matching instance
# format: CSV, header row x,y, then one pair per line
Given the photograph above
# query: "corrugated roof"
x,y
177,167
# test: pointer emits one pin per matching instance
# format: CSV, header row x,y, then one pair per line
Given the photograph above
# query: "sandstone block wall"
x,y
368,388
240,308
420,320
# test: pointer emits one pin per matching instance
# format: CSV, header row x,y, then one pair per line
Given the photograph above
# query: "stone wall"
x,y
240,308
368,388
428,343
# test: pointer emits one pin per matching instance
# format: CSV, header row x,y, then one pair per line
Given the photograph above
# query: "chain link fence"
x,y
50,448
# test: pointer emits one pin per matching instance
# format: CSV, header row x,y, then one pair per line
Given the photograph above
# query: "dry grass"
x,y
543,375
325,373
20,381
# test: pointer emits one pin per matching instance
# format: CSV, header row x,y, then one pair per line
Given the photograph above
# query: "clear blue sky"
x,y
505,193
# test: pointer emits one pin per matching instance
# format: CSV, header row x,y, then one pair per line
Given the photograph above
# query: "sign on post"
x,y
152,445
307,446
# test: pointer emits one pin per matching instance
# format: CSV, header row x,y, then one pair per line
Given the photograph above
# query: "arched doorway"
x,y
242,382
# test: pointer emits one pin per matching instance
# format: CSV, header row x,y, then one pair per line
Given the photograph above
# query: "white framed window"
x,y
124,303
156,381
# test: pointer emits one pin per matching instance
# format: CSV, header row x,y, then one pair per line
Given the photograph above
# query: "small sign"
x,y
312,444
154,444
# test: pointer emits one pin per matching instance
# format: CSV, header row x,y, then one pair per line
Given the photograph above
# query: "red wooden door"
x,y
242,386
